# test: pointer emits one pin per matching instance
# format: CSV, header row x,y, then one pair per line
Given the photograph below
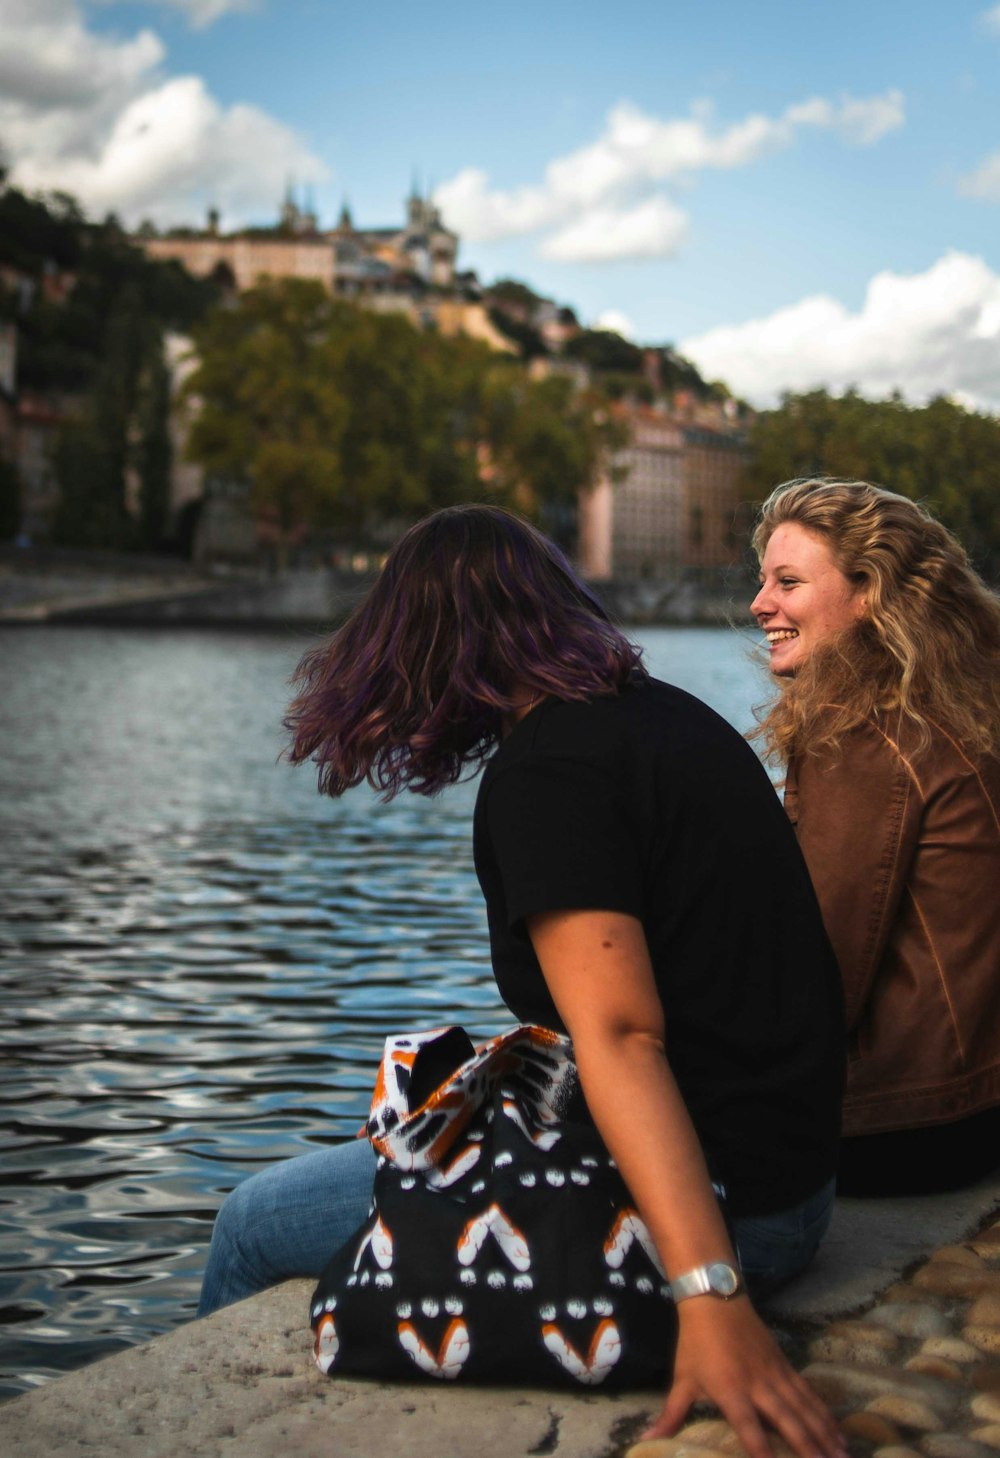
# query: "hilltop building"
x,y
349,260
408,269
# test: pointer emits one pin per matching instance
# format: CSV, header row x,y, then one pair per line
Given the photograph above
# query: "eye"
x,y
788,581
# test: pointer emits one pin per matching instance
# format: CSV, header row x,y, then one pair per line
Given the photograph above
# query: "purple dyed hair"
x,y
473,610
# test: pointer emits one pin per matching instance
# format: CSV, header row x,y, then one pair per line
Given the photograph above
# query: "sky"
x,y
793,192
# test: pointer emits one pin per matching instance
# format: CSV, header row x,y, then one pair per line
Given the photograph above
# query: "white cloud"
x,y
616,322
202,13
985,181
96,116
991,19
652,229
615,180
49,59
924,334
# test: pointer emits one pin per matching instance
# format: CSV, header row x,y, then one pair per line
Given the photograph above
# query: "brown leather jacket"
x,y
904,852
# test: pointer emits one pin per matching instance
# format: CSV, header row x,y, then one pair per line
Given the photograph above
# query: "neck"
x,y
525,700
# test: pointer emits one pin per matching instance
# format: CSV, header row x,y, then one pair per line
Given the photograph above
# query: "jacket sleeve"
x,y
857,813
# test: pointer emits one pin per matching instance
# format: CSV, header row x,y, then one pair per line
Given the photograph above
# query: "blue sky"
x,y
795,192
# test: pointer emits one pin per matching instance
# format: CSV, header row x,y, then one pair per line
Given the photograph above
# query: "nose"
x,y
760,606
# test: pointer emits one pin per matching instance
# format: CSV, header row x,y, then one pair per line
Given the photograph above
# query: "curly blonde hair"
x,y
927,646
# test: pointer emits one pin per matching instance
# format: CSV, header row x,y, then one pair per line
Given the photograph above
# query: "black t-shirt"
x,y
647,802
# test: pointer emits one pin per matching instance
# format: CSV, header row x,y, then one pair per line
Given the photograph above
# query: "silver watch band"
x,y
718,1278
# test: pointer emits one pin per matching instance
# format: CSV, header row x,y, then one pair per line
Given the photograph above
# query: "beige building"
x,y
713,461
356,263
246,259
668,502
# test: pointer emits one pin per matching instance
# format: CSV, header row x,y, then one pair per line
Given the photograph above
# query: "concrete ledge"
x,y
872,1242
243,1382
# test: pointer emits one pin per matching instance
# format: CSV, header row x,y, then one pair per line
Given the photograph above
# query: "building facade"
x,y
355,263
668,505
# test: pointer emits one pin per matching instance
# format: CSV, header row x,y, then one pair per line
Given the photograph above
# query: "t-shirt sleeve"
x,y
562,841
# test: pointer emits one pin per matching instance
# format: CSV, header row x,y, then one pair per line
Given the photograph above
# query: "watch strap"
x,y
718,1278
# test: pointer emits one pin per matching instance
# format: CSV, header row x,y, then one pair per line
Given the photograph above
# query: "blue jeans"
x,y
289,1219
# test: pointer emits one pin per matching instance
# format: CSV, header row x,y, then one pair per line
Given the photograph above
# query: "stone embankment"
x,y
47,586
905,1349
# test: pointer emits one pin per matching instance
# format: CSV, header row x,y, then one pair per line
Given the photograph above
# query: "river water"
x,y
200,957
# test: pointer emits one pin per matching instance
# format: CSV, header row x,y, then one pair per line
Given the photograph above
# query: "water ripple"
x,y
200,961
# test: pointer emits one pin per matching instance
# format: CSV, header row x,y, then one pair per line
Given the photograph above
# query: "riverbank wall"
x,y
39,587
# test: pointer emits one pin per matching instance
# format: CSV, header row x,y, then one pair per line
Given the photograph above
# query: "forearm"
x,y
642,1118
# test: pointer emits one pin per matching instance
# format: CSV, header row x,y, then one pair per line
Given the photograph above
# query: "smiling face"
x,y
804,599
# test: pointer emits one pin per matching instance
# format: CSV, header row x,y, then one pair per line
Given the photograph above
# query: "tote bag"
x,y
502,1244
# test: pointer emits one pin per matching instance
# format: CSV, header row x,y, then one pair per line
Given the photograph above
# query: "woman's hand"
x,y
727,1356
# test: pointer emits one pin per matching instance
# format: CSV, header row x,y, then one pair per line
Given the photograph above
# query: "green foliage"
x,y
628,387
270,411
517,295
527,338
61,341
91,311
10,499
33,232
678,373
605,351
940,454
340,418
154,453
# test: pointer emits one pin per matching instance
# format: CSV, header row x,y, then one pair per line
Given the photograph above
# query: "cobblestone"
x,y
915,1376
909,1319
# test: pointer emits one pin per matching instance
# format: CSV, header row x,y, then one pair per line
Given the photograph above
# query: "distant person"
x,y
886,646
644,894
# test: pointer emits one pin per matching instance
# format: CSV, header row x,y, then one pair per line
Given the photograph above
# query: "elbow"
x,y
625,1039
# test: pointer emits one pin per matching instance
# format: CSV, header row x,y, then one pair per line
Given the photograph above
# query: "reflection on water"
x,y
201,958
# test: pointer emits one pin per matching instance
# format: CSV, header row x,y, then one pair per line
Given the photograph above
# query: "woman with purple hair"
x,y
644,894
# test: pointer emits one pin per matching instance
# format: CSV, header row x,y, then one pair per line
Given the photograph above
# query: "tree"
x,y
546,441
270,412
604,350
10,499
93,453
940,454
341,418
154,451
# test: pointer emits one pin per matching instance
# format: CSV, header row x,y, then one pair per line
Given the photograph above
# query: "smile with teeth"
x,y
780,635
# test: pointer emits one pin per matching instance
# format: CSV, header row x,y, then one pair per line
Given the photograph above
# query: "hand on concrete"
x,y
727,1356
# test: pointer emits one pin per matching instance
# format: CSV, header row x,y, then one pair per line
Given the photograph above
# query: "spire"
x,y
415,205
309,219
289,210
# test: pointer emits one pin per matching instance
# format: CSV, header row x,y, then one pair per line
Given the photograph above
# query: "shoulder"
x,y
647,717
888,746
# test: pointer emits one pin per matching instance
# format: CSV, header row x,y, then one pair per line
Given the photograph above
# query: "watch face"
x,y
723,1280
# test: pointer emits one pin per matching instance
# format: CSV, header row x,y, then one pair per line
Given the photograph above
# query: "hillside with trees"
x,y
90,313
339,420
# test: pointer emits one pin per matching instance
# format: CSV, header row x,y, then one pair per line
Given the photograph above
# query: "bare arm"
x,y
597,968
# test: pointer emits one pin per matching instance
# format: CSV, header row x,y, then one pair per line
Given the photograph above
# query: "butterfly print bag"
x,y
502,1244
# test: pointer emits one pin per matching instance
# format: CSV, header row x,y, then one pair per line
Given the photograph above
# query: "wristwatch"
x,y
718,1279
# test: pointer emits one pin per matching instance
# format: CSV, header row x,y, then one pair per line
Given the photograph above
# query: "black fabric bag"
x,y
502,1244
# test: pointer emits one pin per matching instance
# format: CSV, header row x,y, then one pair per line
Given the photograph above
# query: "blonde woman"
x,y
886,646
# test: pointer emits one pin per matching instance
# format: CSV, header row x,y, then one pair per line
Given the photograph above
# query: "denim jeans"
x,y
289,1219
